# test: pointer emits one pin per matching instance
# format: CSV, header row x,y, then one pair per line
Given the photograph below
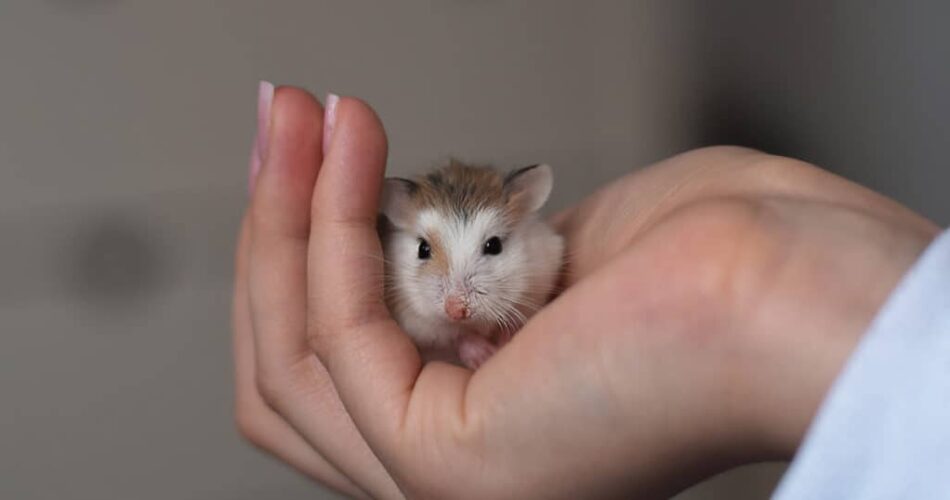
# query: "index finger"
x,y
373,364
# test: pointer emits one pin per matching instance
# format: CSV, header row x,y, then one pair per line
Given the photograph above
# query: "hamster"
x,y
467,258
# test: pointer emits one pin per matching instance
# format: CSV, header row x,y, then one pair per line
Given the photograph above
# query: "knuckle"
x,y
346,329
270,387
315,341
284,387
259,216
271,218
257,211
345,221
717,243
249,426
316,334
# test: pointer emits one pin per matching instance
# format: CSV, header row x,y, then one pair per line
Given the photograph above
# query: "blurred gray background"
x,y
125,128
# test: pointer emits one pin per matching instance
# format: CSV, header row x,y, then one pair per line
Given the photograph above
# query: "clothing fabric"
x,y
883,431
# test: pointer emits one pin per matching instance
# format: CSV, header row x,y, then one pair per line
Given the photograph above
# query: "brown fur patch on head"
x,y
461,189
439,262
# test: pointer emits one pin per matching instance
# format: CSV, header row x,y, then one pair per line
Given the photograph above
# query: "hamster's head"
x,y
459,250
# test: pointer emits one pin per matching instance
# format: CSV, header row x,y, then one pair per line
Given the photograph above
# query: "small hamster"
x,y
468,260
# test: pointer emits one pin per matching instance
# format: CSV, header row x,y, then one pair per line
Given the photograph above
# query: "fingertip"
x,y
356,116
284,187
289,101
295,148
296,123
353,169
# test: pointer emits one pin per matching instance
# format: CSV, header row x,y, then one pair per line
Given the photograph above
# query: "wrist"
x,y
834,276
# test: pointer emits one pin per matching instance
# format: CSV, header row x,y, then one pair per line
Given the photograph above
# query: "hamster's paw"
x,y
474,350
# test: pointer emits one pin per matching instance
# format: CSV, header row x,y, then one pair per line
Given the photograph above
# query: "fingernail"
x,y
329,121
265,96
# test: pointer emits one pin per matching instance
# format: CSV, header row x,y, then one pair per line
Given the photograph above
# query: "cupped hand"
x,y
709,301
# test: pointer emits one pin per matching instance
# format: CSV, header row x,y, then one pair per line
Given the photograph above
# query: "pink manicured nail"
x,y
329,121
265,96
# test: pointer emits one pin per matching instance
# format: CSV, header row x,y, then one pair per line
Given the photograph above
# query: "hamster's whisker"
x,y
520,316
568,254
375,256
519,296
496,316
507,317
531,306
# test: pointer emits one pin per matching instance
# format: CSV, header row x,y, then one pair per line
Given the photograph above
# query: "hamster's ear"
x,y
529,187
396,201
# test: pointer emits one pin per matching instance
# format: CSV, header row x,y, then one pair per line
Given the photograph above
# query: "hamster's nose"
x,y
456,308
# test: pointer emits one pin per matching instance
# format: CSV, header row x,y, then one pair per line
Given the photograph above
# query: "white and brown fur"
x,y
457,209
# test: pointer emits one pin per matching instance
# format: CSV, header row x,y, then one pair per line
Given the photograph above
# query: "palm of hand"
x,y
681,284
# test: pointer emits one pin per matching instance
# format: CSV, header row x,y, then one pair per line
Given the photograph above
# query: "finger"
x,y
290,377
280,229
256,421
373,364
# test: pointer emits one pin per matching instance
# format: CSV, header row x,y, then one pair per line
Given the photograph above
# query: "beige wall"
x,y
124,134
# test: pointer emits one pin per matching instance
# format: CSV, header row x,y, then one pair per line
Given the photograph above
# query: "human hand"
x,y
710,301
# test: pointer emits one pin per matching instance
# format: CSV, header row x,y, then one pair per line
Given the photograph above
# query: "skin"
x,y
709,302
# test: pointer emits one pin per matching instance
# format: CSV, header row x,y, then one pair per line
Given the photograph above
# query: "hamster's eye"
x,y
492,246
424,250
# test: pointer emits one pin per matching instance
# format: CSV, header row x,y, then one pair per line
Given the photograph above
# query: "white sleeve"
x,y
883,431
